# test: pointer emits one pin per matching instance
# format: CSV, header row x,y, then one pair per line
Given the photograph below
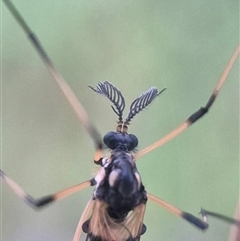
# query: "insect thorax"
x,y
121,187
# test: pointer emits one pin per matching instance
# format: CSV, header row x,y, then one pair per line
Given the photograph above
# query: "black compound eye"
x,y
121,140
133,141
110,140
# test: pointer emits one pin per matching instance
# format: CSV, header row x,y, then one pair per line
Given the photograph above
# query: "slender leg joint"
x,y
227,219
197,115
93,182
195,221
98,157
38,203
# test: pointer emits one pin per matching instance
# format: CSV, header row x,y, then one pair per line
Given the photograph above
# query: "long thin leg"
x,y
198,114
71,97
40,202
83,218
202,224
225,218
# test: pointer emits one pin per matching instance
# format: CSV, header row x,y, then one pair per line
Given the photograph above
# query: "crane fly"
x,y
116,209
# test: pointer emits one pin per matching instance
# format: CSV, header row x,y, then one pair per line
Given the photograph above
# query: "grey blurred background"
x,y
181,45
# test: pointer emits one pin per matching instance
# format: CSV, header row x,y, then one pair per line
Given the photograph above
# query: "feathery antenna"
x,y
113,94
142,102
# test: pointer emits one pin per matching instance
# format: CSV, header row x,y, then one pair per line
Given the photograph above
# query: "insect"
x,y
142,145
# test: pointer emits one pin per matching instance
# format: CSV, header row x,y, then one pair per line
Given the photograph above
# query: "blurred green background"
x,y
181,45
